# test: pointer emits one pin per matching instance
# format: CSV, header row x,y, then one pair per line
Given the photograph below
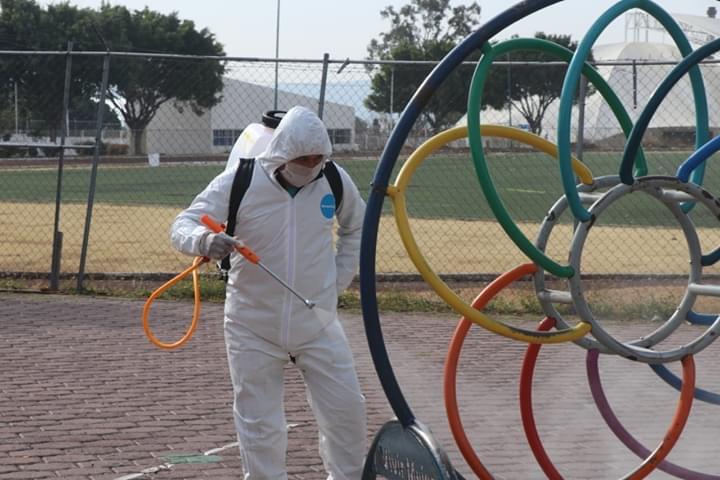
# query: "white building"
x,y
635,84
181,131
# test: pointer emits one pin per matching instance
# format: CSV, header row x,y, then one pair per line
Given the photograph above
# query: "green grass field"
x,y
443,187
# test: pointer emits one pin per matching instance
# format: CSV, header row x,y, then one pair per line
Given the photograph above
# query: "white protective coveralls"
x,y
251,142
264,322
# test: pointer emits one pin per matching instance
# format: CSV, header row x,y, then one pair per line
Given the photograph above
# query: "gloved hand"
x,y
216,246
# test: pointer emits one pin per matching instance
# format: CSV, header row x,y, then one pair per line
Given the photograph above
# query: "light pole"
x,y
392,95
277,52
17,130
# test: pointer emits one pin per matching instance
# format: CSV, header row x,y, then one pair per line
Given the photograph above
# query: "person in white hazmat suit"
x,y
284,217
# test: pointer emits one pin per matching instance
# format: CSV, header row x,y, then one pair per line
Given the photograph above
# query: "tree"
x,y
39,79
533,88
361,126
83,111
422,30
140,86
711,12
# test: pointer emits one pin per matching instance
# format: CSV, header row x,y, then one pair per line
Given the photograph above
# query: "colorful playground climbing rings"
x,y
474,42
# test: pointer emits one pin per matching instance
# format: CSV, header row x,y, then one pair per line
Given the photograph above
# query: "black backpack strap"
x,y
333,177
241,182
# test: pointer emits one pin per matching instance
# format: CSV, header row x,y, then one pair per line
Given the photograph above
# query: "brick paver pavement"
x,y
84,395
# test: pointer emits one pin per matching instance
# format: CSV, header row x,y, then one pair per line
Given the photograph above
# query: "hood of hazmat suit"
x,y
299,133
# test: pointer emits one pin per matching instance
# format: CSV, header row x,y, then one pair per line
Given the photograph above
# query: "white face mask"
x,y
300,175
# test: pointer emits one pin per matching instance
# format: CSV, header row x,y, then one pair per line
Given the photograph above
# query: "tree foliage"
x,y
427,30
40,79
138,86
424,30
532,88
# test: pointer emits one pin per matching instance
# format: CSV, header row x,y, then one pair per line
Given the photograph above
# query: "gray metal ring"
x,y
543,294
668,190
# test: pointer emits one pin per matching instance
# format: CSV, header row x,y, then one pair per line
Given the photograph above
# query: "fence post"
x,y
93,174
323,84
17,126
509,90
392,95
277,53
57,234
634,77
580,137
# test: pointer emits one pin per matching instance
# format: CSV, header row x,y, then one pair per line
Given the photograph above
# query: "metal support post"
x,y
580,138
277,53
634,82
93,174
323,85
57,234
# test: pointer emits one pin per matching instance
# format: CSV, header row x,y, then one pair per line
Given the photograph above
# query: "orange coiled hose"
x,y
196,307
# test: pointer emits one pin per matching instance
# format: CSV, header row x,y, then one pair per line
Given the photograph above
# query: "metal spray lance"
x,y
251,257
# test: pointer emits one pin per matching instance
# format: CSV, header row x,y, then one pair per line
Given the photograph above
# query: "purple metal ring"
x,y
593,373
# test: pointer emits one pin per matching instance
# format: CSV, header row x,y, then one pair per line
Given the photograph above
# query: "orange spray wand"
x,y
252,257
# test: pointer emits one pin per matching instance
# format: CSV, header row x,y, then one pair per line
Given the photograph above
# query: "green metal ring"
x,y
473,119
573,74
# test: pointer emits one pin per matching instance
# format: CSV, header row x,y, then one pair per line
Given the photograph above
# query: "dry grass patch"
x,y
134,239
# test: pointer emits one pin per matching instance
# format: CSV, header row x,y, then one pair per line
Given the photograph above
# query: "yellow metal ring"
x,y
397,194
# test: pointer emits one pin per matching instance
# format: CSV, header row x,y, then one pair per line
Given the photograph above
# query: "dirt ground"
x,y
134,239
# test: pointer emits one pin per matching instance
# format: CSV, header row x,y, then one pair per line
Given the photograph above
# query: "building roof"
x,y
699,24
698,29
636,51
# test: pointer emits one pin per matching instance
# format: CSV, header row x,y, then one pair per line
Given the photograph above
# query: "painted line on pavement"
x,y
168,466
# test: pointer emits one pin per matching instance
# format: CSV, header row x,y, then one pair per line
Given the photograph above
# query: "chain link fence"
x,y
91,178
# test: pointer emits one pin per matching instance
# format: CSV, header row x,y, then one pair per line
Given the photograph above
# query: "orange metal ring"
x,y
451,364
669,440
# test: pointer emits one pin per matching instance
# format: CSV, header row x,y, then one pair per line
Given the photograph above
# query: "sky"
x,y
344,28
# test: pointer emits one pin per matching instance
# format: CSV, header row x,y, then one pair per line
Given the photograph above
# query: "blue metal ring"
x,y
674,381
368,245
698,157
688,64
